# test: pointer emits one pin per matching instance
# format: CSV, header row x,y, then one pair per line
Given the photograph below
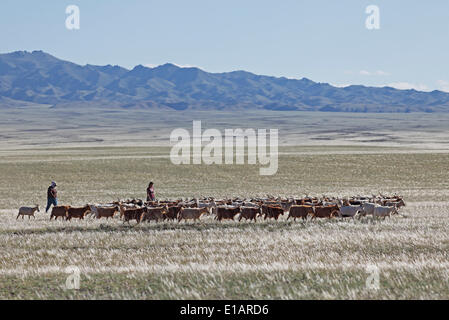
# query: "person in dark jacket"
x,y
150,192
52,196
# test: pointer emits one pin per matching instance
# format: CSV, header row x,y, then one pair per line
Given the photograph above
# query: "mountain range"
x,y
38,77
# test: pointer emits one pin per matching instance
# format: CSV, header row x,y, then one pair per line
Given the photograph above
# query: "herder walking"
x,y
52,196
150,192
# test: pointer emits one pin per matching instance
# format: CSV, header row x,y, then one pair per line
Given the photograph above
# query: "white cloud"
x,y
150,65
374,73
443,85
407,86
340,85
381,73
365,73
186,66
396,85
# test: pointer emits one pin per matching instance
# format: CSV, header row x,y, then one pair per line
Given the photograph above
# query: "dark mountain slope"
x,y
41,78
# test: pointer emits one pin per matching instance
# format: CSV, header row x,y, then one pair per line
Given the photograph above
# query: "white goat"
x,y
350,211
381,211
27,211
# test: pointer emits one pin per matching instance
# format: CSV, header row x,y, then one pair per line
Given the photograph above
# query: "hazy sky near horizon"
x,y
325,41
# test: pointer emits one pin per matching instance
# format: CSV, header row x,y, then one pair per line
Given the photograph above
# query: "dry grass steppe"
x,y
102,156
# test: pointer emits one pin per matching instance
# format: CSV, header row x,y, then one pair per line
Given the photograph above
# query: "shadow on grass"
x,y
201,226
268,226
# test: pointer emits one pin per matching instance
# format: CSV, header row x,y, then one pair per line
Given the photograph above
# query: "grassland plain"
x,y
274,260
40,126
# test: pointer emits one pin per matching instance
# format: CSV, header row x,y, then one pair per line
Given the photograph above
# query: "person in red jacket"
x,y
150,192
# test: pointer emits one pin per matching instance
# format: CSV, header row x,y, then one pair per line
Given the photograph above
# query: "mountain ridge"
x,y
38,77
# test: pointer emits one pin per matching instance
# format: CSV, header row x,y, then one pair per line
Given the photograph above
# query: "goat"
x,y
27,211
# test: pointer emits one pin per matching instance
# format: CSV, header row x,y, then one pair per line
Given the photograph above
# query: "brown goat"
x,y
59,211
106,212
225,213
156,214
191,213
79,213
300,211
272,212
325,212
249,213
172,213
133,214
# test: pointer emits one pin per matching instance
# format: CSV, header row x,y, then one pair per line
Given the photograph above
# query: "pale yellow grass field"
x,y
274,260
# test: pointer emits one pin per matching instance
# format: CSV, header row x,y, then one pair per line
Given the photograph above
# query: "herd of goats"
x,y
248,209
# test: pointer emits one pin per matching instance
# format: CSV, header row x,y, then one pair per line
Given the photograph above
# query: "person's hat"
x,y
53,184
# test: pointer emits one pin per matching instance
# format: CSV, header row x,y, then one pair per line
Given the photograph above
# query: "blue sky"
x,y
325,41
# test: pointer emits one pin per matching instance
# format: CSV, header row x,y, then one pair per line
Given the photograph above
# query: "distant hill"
x,y
38,77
